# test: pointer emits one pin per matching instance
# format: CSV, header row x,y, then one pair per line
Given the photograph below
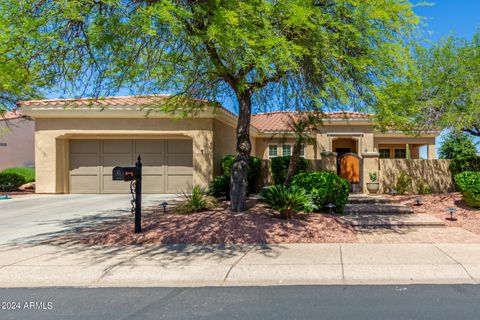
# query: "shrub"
x,y
373,176
457,145
254,170
468,183
27,173
423,187
404,183
462,164
10,181
280,168
324,188
220,187
287,201
195,201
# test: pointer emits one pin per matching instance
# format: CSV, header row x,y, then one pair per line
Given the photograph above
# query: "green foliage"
x,y
280,165
457,145
439,91
468,183
423,187
254,170
373,176
10,181
287,201
26,172
220,187
196,201
310,54
459,165
404,183
334,50
324,188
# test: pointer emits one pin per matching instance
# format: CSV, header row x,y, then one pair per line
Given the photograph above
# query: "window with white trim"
x,y
302,151
286,150
272,150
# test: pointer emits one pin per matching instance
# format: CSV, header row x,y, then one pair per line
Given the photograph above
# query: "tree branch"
x,y
266,80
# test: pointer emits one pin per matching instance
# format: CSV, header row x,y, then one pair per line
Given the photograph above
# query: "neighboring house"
x,y
17,147
79,141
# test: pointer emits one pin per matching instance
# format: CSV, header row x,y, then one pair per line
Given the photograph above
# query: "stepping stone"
x,y
385,209
370,199
392,221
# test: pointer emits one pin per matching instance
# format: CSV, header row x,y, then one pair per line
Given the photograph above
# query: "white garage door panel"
x,y
84,184
178,183
110,186
153,183
84,164
117,147
167,165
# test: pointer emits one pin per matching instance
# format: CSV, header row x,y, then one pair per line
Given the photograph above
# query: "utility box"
x,y
126,173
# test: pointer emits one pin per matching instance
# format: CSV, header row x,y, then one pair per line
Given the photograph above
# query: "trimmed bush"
x,y
468,183
324,188
196,201
423,187
280,168
254,170
220,187
27,173
404,183
459,165
10,181
287,201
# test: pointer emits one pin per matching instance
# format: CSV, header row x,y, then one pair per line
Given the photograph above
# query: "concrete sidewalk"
x,y
181,265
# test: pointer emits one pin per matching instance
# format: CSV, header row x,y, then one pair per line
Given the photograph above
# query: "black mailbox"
x,y
125,173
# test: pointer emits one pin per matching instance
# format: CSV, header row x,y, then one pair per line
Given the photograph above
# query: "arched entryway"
x,y
345,145
350,168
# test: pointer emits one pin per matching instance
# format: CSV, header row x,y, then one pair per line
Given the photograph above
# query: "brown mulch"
x,y
219,226
437,205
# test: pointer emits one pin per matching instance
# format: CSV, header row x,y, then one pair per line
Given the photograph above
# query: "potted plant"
x,y
373,186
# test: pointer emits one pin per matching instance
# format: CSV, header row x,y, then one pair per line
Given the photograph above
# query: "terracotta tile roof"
x,y
96,102
278,121
10,115
102,102
267,122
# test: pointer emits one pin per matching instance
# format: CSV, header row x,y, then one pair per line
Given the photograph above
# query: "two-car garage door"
x,y
167,165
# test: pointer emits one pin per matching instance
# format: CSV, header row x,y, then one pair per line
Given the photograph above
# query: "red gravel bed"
x,y
219,226
437,205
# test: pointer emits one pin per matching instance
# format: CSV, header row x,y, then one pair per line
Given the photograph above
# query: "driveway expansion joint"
x,y
235,264
457,262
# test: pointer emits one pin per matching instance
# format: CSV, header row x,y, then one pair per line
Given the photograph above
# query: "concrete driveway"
x,y
29,218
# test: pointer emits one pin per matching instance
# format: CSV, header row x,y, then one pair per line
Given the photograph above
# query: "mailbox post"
x,y
138,197
134,175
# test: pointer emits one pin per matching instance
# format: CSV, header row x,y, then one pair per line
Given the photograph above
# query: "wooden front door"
x,y
349,168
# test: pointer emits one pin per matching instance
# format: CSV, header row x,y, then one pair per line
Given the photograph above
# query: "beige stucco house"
x,y
17,148
79,141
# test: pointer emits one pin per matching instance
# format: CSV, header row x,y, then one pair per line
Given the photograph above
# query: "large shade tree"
x,y
22,76
442,90
260,53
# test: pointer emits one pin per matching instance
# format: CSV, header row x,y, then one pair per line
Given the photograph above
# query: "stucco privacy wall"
x,y
17,143
224,138
435,173
52,137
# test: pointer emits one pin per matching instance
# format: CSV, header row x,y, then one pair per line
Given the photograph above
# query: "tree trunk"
x,y
238,182
292,166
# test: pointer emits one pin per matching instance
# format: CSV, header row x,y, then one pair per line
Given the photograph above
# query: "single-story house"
x,y
17,146
79,141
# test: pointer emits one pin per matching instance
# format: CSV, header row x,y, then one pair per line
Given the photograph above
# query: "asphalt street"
x,y
281,302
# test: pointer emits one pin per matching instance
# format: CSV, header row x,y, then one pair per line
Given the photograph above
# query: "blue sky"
x,y
450,17
442,18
